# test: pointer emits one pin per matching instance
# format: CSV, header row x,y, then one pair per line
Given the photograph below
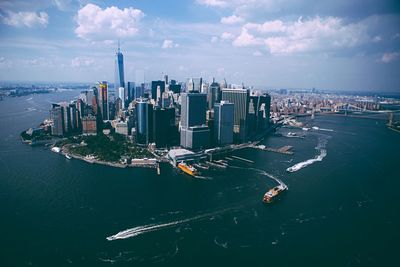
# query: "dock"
x,y
242,159
282,150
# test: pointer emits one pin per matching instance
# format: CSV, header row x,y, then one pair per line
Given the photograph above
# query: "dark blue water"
x,y
341,211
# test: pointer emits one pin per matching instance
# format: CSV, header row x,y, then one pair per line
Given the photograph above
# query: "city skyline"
x,y
330,45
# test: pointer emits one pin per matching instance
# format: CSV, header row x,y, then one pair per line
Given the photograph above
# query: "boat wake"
x,y
203,177
139,230
322,154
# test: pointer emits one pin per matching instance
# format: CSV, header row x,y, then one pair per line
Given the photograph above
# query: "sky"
x,y
330,44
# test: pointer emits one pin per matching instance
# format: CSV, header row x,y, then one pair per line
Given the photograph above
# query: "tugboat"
x,y
272,193
188,169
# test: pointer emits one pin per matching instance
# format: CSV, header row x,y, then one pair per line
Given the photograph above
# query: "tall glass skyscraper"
x,y
119,69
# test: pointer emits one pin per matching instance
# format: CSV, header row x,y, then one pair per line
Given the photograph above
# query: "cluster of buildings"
x,y
193,115
300,102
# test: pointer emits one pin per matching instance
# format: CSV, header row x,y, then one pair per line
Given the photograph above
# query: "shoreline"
x,y
65,152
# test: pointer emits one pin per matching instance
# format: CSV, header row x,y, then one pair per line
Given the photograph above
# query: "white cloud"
x,y
111,22
315,34
213,3
267,27
227,36
257,53
246,39
25,19
78,62
232,20
169,44
389,57
214,39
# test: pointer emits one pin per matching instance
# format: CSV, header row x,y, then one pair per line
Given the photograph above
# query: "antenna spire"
x,y
119,50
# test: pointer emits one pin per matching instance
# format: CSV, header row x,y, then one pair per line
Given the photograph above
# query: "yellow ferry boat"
x,y
186,168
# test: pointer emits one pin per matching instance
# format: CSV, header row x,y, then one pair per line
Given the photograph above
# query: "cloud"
x,y
214,39
25,19
78,62
389,57
232,20
169,44
314,34
257,53
246,39
213,3
111,22
227,36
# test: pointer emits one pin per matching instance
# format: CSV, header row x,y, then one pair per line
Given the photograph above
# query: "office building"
x,y
103,100
223,123
130,86
119,69
144,122
89,125
154,86
194,84
194,132
121,95
213,94
193,109
56,115
240,99
164,128
259,112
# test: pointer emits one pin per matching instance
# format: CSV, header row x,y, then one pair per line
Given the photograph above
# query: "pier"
x,y
242,159
282,150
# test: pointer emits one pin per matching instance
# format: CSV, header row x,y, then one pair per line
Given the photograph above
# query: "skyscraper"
x,y
154,86
56,114
144,122
259,109
223,123
194,84
214,94
131,91
121,95
194,132
103,100
119,69
239,97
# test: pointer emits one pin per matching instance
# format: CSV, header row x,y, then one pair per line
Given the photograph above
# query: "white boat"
x,y
305,129
56,149
68,156
315,128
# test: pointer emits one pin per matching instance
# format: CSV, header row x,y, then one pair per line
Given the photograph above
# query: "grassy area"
x,y
107,148
35,136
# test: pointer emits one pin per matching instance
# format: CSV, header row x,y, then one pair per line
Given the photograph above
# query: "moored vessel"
x,y
188,169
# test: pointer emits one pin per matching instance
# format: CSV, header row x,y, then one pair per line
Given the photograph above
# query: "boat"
x,y
315,128
188,169
56,149
68,156
272,193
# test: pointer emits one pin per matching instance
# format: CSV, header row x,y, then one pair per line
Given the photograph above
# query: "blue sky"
x,y
331,44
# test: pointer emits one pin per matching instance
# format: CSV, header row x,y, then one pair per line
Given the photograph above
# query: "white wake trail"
x,y
132,232
322,154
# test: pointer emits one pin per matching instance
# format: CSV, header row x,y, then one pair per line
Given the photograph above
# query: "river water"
x,y
342,207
